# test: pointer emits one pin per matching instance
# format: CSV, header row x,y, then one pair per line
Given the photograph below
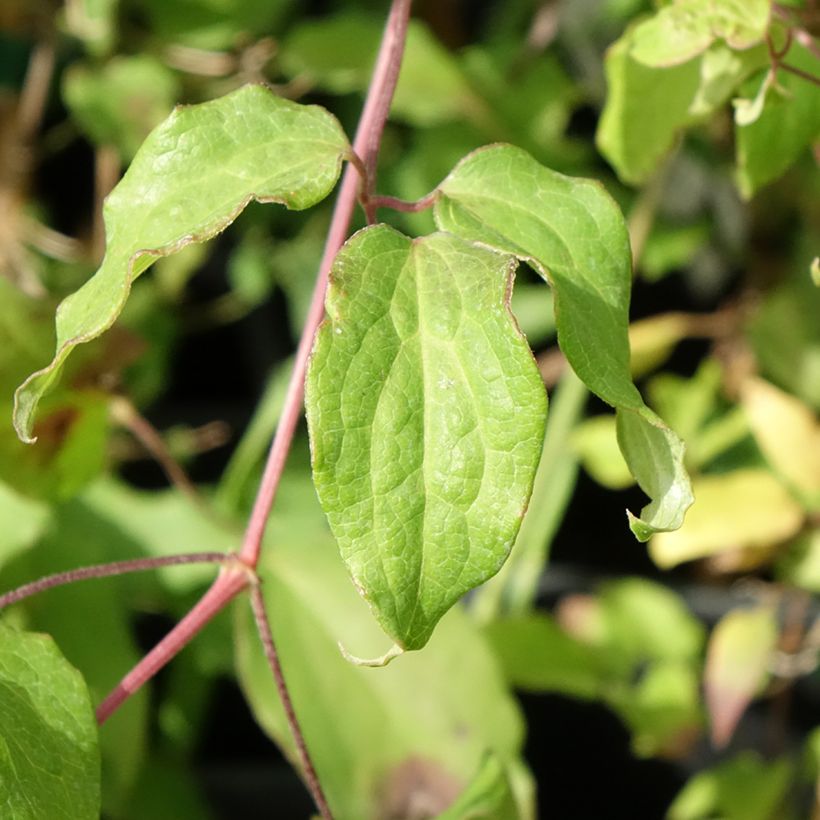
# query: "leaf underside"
x,y
426,413
574,234
190,179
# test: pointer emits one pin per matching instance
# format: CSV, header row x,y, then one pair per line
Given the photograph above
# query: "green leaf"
x,y
788,124
685,28
49,761
596,442
119,103
574,235
426,413
22,522
193,175
93,22
741,509
737,666
488,797
424,711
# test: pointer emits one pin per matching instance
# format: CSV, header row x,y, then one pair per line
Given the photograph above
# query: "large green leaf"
x,y
49,761
574,234
426,414
191,178
369,731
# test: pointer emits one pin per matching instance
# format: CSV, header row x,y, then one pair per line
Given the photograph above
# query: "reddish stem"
x,y
403,205
228,585
366,147
106,570
263,625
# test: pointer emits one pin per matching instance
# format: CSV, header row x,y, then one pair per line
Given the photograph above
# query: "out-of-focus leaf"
x,y
662,710
167,791
93,22
215,24
575,236
788,434
537,655
737,666
488,797
119,103
685,28
50,762
422,711
671,247
533,310
738,510
596,442
721,71
653,339
743,788
337,54
788,124
785,335
425,478
22,522
191,178
800,564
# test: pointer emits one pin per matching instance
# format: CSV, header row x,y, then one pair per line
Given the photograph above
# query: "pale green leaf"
x,y
685,28
596,442
423,713
93,22
49,760
787,125
737,666
119,103
193,176
788,435
800,564
744,509
426,414
743,788
22,522
574,234
488,797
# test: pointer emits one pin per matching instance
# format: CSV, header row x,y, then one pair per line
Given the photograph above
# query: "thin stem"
x,y
798,72
366,147
266,635
226,587
403,205
106,570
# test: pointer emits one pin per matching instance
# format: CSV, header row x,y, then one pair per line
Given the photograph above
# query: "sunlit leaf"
x,y
426,414
737,666
574,234
788,434
738,510
49,760
193,176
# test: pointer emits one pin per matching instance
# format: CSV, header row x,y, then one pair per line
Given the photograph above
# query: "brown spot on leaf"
x,y
418,789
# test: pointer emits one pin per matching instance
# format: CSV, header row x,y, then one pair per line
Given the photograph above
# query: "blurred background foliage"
x,y
593,675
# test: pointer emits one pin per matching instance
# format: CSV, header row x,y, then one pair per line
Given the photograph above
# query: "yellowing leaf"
x,y
741,509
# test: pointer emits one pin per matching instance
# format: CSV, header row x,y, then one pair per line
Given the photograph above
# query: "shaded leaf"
x,y
49,761
787,125
738,510
488,797
193,175
800,564
737,666
574,234
426,414
119,103
424,707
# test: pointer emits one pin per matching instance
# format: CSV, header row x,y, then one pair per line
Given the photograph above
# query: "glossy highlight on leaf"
x,y
572,232
426,414
192,177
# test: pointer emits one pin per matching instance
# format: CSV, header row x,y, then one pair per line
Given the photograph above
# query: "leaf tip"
x,y
382,660
640,529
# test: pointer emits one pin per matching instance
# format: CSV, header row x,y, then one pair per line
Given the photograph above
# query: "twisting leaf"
x,y
191,178
426,414
574,234
49,760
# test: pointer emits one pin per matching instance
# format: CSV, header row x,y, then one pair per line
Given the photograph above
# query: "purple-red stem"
x,y
234,579
106,570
